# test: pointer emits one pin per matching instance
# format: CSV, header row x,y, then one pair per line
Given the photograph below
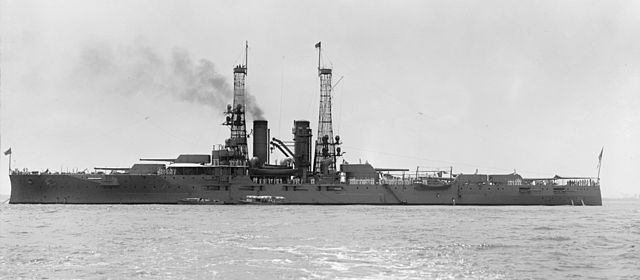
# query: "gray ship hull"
x,y
170,189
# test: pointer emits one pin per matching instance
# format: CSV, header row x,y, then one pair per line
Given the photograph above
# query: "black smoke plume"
x,y
138,69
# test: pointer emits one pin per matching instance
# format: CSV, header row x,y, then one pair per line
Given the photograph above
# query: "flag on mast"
x,y
318,45
600,157
7,152
600,162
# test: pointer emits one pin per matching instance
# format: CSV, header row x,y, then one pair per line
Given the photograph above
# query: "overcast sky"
x,y
535,86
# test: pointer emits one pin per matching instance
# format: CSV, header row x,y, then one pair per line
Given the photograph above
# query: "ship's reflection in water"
x,y
277,241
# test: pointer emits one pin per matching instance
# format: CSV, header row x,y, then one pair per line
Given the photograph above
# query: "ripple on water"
x,y
544,228
556,238
357,242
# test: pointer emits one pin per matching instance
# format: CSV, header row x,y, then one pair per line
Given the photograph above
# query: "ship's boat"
x,y
311,174
199,200
262,199
431,184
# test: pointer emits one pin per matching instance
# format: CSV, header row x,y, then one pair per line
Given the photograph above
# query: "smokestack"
x,y
261,141
302,152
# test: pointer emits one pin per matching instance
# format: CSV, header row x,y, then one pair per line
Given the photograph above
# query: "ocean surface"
x,y
318,242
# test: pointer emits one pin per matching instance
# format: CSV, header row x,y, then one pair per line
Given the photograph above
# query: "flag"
x,y
318,45
7,152
600,157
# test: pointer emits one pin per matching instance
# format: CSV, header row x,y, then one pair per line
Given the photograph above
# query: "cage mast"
x,y
325,152
236,120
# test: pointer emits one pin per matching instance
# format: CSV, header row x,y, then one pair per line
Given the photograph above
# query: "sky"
x,y
539,87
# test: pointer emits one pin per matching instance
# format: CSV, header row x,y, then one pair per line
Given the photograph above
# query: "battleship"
x,y
310,174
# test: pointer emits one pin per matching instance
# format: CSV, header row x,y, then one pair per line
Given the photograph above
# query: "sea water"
x,y
318,242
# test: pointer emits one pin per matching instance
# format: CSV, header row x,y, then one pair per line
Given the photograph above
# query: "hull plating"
x,y
168,189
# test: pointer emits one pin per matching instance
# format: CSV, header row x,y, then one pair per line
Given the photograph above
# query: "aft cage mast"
x,y
325,152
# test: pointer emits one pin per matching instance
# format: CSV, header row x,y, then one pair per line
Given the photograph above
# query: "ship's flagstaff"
x,y
600,162
8,152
